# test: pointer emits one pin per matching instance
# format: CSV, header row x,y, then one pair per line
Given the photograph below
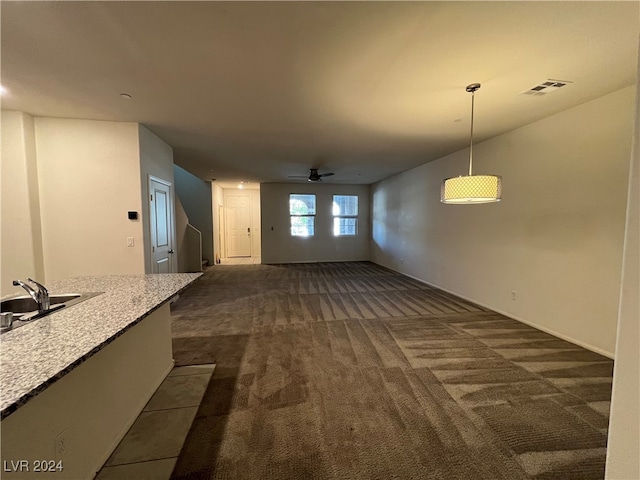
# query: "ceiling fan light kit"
x,y
314,176
469,189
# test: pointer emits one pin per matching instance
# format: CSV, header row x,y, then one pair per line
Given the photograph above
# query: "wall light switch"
x,y
129,241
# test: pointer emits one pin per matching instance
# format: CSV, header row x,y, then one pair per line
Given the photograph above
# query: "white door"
x,y
161,220
238,214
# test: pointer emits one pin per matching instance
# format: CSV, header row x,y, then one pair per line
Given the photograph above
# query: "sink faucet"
x,y
40,295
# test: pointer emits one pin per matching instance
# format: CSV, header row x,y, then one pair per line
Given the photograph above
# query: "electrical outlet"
x,y
129,241
60,446
513,294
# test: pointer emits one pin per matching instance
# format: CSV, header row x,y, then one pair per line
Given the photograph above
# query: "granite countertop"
x,y
37,354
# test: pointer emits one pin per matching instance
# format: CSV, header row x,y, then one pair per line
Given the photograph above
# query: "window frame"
x,y
303,215
339,216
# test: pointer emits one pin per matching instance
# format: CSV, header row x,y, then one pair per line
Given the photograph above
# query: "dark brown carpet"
x,y
352,371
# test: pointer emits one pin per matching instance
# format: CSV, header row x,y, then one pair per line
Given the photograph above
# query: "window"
x,y
345,215
302,209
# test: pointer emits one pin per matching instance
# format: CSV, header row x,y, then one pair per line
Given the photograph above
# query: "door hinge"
x,y
153,249
151,197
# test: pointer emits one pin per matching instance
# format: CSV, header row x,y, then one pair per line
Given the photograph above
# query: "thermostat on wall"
x,y
133,215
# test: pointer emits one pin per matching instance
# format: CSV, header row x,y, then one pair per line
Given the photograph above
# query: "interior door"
x,y
161,222
238,215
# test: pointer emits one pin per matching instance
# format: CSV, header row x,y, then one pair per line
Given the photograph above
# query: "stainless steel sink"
x,y
27,304
25,308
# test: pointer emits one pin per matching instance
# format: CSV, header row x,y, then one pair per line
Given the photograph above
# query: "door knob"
x,y
171,251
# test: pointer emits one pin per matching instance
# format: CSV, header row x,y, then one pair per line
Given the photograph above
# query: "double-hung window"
x,y
302,209
345,215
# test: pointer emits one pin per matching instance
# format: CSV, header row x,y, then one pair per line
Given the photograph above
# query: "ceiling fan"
x,y
314,176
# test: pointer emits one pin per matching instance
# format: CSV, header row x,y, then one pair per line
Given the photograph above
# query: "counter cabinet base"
x,y
88,411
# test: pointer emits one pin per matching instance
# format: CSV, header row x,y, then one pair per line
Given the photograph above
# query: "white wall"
x,y
624,435
256,223
181,233
278,246
156,159
21,241
89,178
217,201
556,237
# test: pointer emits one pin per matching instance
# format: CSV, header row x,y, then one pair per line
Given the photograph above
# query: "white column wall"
x,y
256,224
217,201
21,240
623,453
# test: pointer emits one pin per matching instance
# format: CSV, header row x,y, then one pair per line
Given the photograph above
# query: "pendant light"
x,y
471,188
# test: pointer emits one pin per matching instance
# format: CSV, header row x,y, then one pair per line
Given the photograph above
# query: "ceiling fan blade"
x,y
326,174
297,176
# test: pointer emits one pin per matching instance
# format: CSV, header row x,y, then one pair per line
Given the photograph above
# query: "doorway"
x,y
238,216
240,232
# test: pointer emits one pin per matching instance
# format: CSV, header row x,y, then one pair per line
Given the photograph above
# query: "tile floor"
x,y
151,447
241,261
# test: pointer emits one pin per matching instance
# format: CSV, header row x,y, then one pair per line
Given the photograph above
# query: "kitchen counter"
x,y
39,353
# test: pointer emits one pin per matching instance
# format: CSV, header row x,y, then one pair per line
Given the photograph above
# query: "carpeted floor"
x,y
352,371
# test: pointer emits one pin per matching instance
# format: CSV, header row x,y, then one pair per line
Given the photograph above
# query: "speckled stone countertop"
x,y
37,354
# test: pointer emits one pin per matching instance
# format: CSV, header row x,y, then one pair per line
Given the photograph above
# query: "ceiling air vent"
x,y
548,86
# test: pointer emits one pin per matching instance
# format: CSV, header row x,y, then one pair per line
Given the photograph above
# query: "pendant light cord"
x,y
473,97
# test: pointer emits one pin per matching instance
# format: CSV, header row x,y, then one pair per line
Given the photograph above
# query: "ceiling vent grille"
x,y
546,87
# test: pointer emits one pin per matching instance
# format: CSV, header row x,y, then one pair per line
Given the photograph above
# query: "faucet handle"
x,y
41,287
42,296
26,286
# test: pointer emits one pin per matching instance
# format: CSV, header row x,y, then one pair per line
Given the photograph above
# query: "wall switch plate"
x,y
513,295
129,241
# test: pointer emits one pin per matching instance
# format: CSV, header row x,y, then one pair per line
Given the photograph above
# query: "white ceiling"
x,y
258,91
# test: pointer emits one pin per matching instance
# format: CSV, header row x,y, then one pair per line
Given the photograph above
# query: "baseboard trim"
x,y
510,315
291,262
